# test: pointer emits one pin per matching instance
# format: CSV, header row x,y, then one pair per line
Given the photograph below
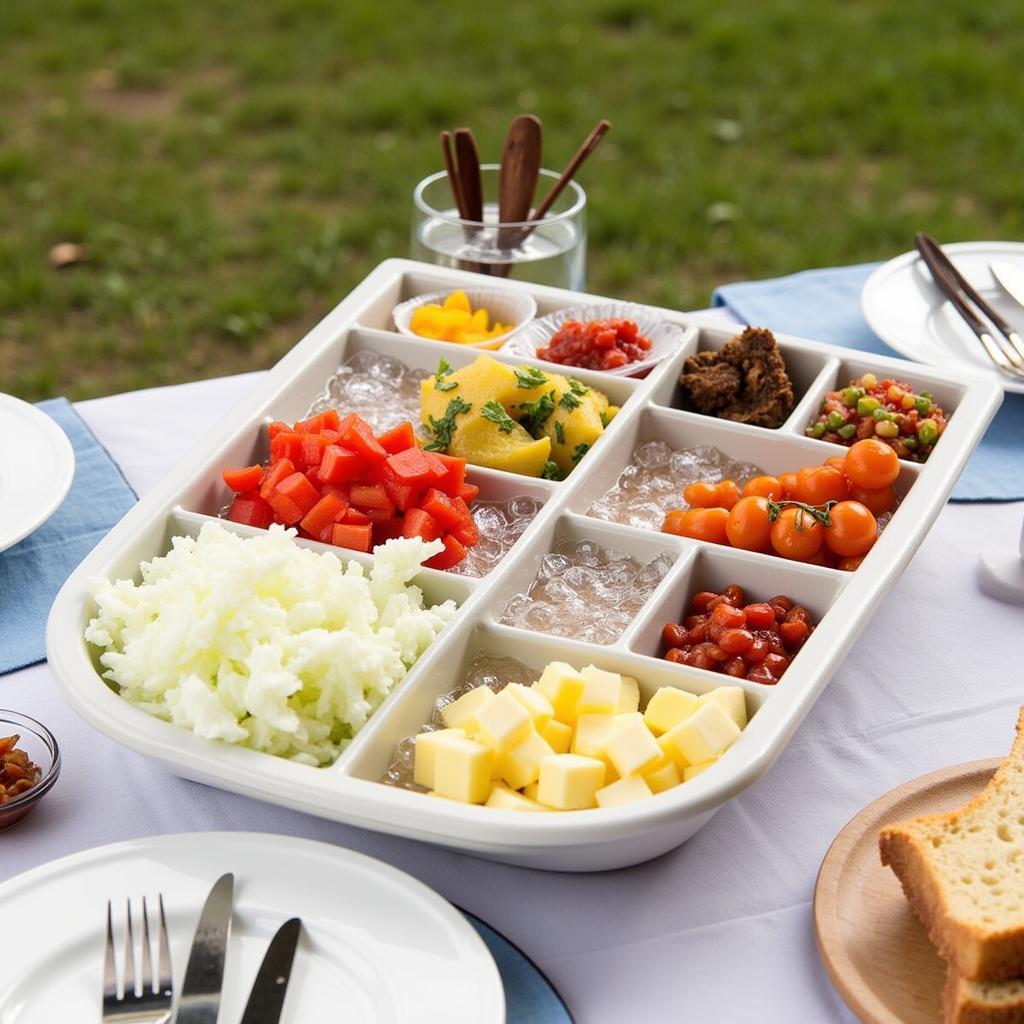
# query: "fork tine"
x,y
109,967
148,979
164,952
129,952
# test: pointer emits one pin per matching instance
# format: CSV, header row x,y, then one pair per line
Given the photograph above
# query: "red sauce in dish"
x,y
596,344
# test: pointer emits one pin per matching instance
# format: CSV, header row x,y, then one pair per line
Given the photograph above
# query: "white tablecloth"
x,y
719,929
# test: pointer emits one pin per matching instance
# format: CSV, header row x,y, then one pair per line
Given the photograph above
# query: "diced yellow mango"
x,y
625,791
501,723
458,300
631,748
503,799
563,686
664,777
461,713
462,769
569,781
705,734
733,701
482,442
668,707
695,769
425,754
520,764
601,694
538,706
557,735
629,695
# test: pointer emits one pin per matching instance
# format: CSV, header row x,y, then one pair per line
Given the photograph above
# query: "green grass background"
x,y
234,168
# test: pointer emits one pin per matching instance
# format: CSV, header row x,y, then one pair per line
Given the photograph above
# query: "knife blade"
x,y
204,975
1010,278
266,1000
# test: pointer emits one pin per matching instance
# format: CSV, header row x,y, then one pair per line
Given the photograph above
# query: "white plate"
x,y
904,307
376,945
666,336
37,466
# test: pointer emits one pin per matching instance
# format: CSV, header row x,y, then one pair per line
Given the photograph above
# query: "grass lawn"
x,y
234,168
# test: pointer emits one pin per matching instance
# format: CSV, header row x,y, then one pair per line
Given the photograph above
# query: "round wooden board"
x,y
875,950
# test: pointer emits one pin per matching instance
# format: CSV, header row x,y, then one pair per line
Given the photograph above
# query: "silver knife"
x,y
268,990
200,992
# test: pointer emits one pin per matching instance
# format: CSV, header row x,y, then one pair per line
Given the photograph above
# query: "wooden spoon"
x,y
469,174
517,179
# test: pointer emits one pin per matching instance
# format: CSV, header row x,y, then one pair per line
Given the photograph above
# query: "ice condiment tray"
x,y
350,790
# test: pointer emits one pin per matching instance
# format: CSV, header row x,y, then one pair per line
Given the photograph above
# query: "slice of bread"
x,y
983,1002
963,873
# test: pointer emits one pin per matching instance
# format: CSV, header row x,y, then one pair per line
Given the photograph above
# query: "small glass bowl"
x,y
38,742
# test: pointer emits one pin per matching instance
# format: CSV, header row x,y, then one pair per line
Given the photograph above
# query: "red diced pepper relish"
x,y
596,344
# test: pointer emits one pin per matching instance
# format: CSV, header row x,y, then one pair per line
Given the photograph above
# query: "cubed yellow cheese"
x,y
601,693
531,792
625,791
668,748
462,769
558,735
538,706
631,748
696,769
569,781
520,764
504,799
591,733
629,695
664,777
705,734
563,686
425,754
733,701
668,707
501,723
462,712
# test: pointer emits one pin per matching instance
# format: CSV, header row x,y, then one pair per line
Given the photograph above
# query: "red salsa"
x,y
596,344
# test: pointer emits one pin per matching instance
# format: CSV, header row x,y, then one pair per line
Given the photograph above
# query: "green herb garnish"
x,y
528,377
536,414
569,401
604,419
551,471
496,414
443,428
443,370
578,388
579,451
559,432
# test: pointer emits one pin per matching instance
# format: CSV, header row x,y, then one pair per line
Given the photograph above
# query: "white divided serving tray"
x,y
350,790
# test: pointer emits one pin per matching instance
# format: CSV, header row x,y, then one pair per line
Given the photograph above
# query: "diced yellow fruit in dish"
x,y
501,723
536,704
668,748
462,770
503,799
668,707
481,381
704,735
569,781
557,735
601,694
458,300
625,791
733,701
695,769
482,442
461,713
631,748
531,791
425,754
520,764
665,777
563,686
591,733
629,695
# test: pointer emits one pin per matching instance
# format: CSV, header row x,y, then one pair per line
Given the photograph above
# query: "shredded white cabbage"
x,y
260,642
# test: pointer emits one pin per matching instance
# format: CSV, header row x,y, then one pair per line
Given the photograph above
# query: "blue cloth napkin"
x,y
529,997
34,570
825,305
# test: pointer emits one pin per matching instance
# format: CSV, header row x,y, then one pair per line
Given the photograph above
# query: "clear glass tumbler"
x,y
550,251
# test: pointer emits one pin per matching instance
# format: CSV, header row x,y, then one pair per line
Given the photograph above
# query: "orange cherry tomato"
x,y
817,484
877,501
836,462
853,530
849,564
823,557
871,463
674,521
727,493
788,481
797,534
706,524
701,494
747,526
764,487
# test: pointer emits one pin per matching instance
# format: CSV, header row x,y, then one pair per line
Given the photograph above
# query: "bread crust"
x,y
976,953
965,1006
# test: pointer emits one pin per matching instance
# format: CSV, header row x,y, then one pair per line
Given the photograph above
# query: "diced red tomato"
x,y
357,436
286,511
403,496
358,538
245,478
323,514
278,427
251,512
466,533
287,446
339,465
397,439
373,473
468,492
298,488
386,529
455,476
410,467
370,496
338,490
441,507
417,523
353,517
438,470
274,476
328,420
454,552
313,449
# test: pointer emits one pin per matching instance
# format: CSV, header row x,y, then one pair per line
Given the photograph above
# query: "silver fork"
x,y
149,1002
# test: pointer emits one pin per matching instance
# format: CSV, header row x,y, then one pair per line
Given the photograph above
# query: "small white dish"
x,y
377,945
666,336
505,306
904,307
37,465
